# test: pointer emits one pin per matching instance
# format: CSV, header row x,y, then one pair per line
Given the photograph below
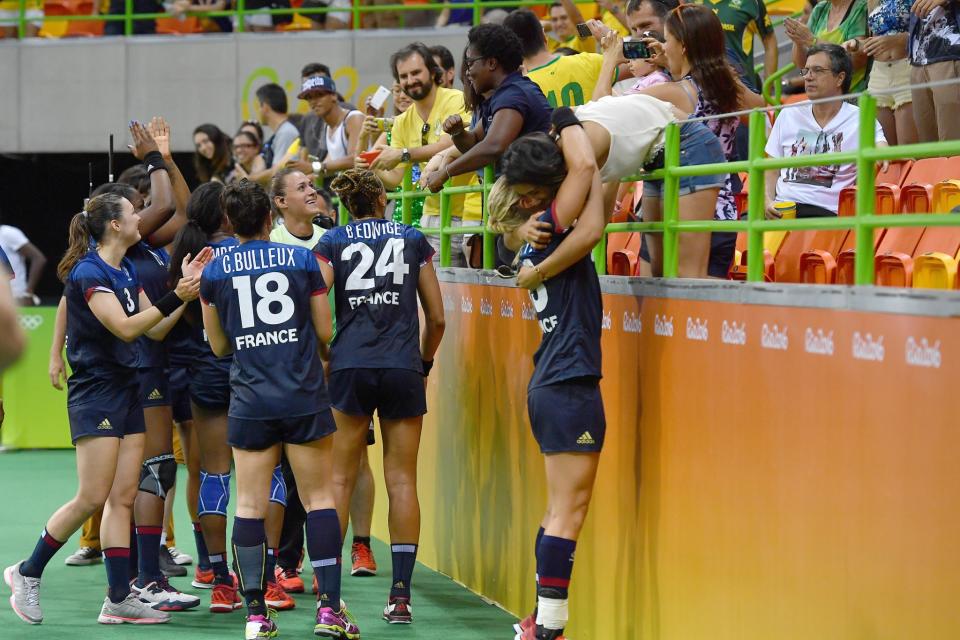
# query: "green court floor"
x,y
33,484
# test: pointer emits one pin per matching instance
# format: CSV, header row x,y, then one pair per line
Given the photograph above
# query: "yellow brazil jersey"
x,y
568,81
583,45
409,131
611,21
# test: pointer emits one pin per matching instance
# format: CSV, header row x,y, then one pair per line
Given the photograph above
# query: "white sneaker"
x,y
25,598
179,557
163,597
132,610
83,556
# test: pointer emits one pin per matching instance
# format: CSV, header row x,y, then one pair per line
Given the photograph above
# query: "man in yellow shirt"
x,y
418,135
566,81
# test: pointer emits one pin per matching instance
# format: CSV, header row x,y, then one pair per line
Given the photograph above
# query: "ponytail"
x,y
204,218
77,247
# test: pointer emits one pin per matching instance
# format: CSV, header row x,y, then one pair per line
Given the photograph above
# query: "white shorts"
x,y
893,79
34,17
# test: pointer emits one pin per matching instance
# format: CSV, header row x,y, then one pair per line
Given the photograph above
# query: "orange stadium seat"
x,y
84,29
178,27
896,173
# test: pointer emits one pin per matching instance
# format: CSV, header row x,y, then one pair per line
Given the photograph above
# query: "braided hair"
x,y
360,190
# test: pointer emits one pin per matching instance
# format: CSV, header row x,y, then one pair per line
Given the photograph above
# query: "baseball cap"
x,y
317,83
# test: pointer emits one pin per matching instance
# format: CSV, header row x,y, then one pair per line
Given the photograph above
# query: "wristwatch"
x,y
405,155
317,167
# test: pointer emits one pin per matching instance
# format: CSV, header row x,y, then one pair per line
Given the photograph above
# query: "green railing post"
x,y
756,196
773,80
600,255
446,218
22,20
477,13
406,202
671,201
866,179
343,216
128,17
489,238
357,20
241,23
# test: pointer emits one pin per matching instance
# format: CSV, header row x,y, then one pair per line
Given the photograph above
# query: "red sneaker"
x,y
528,622
364,563
224,598
276,598
202,578
288,580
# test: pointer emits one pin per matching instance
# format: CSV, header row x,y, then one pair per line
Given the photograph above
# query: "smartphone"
x,y
635,50
583,30
384,124
379,98
656,35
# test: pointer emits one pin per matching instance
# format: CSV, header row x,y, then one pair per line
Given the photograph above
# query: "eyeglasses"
x,y
468,62
247,145
817,71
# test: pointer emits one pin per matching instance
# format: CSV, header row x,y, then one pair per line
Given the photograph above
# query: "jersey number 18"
x,y
268,298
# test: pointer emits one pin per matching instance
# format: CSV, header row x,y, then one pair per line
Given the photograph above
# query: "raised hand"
x,y
143,142
194,267
160,130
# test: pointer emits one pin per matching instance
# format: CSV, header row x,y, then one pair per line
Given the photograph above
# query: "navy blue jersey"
x,y
5,264
262,294
199,347
95,354
376,265
570,311
151,265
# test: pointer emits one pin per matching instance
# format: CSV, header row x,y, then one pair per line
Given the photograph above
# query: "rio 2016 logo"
x,y
346,78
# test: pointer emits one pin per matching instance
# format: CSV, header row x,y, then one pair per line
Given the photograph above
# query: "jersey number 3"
x,y
268,298
390,261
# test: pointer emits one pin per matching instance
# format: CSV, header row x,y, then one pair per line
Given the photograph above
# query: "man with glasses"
x,y
418,135
807,129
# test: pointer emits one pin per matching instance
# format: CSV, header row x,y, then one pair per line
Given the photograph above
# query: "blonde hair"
x,y
505,213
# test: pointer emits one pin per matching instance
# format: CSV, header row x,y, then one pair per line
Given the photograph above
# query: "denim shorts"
x,y
698,145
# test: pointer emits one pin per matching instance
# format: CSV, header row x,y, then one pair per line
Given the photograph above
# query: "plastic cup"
x,y
787,210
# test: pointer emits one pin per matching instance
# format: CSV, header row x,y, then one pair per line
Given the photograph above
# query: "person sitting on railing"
x,y
807,129
509,105
832,22
417,136
934,52
566,80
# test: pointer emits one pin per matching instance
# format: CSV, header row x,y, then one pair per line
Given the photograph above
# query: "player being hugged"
x,y
378,362
107,311
559,184
266,304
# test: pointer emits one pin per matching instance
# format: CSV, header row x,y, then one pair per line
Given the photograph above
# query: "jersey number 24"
x,y
390,261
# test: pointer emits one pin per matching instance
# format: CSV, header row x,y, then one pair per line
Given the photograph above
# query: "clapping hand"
x,y
195,266
800,33
160,131
143,142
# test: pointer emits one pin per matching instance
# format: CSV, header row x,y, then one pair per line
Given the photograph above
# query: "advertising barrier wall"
x,y
769,471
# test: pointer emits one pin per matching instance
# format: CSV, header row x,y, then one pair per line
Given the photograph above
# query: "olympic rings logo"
x,y
31,322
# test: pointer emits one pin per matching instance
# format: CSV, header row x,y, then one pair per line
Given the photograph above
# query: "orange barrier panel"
x,y
769,471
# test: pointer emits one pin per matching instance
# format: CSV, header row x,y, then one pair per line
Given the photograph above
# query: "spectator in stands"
x,y
401,101
223,24
333,20
741,19
342,135
648,15
509,105
444,60
254,127
380,19
10,10
494,16
417,135
140,27
246,152
418,18
564,18
829,127
566,81
212,160
888,21
832,22
450,16
272,105
313,128
934,54
27,263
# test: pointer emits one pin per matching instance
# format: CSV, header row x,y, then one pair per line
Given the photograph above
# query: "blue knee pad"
x,y
278,487
214,494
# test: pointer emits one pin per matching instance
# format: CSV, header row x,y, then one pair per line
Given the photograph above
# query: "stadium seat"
x,y
935,270
893,260
738,270
84,29
946,196
623,248
896,173
179,27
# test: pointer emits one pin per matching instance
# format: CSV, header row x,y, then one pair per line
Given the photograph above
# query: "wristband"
x,y
562,118
427,365
153,161
169,303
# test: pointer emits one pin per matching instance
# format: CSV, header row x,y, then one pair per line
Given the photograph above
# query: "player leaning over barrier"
x,y
104,298
378,362
561,185
266,303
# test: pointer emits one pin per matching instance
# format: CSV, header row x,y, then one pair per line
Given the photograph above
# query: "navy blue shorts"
x,y
393,393
568,417
257,435
154,387
180,394
115,414
209,385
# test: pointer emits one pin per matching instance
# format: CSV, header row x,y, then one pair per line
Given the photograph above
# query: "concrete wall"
x,y
69,95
